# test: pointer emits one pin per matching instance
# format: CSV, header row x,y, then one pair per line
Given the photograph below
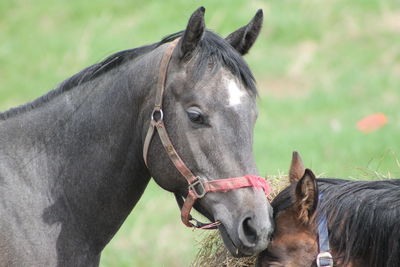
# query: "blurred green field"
x,y
321,66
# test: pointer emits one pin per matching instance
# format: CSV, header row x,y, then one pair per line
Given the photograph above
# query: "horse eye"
x,y
196,116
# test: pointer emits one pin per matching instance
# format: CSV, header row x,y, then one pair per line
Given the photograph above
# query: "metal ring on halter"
x,y
194,187
161,115
324,259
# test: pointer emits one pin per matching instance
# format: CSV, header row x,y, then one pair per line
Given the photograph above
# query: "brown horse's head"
x,y
294,241
356,222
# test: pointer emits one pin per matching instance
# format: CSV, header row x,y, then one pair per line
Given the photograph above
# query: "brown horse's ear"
x,y
296,170
306,196
193,33
243,39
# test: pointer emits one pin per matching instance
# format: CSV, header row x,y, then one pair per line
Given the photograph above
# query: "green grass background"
x,y
320,65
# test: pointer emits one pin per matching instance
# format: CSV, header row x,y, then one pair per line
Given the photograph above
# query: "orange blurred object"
x,y
372,122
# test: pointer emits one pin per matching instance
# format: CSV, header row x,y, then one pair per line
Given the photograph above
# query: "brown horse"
x,y
333,222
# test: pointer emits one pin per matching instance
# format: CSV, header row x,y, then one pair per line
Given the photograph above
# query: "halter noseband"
x,y
198,187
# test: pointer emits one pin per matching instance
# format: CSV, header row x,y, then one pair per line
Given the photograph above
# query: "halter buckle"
x,y
198,188
324,259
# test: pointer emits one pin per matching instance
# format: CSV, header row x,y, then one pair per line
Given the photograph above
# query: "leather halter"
x,y
198,187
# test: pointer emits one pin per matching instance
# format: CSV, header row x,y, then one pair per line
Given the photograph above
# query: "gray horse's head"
x,y
210,111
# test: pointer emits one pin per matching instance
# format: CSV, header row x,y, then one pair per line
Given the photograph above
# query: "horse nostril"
x,y
248,233
249,230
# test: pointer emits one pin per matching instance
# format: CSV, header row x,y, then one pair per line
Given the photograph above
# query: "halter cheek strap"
x,y
158,122
198,187
324,258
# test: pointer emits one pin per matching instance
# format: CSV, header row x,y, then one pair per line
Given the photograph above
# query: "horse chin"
x,y
230,244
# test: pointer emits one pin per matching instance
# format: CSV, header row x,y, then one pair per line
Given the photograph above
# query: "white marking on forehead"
x,y
235,93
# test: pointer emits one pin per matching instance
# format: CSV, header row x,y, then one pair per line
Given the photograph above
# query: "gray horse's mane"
x,y
212,48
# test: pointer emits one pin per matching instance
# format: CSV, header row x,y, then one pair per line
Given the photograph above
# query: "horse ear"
x,y
193,33
243,39
296,171
306,196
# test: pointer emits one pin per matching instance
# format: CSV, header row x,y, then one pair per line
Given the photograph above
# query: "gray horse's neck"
x,y
71,169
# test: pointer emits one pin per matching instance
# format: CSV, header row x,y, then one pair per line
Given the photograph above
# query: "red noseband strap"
x,y
200,188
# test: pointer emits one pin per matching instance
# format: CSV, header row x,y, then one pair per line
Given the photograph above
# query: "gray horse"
x,y
71,165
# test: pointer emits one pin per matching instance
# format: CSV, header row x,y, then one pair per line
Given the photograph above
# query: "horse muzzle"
x,y
248,235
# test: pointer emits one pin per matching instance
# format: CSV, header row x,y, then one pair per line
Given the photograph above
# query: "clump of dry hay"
x,y
213,252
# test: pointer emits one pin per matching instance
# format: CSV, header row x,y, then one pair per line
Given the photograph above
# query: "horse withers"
x,y
334,222
72,166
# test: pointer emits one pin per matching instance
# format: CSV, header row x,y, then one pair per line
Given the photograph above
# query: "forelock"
x,y
216,52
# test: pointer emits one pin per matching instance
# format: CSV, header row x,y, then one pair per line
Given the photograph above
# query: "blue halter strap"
x,y
324,258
